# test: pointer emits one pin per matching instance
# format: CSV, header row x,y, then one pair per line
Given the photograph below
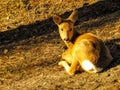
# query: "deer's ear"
x,y
57,19
74,16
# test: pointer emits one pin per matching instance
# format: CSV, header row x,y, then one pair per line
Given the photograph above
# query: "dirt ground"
x,y
30,45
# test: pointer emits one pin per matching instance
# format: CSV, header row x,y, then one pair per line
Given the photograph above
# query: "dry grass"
x,y
30,46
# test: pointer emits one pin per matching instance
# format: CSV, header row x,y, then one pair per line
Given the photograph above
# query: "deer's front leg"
x,y
64,64
70,69
66,60
73,68
67,57
69,64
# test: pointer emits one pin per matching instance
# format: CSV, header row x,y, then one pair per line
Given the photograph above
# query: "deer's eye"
x,y
61,29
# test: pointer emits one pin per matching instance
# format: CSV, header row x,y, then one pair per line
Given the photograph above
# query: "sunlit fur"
x,y
85,51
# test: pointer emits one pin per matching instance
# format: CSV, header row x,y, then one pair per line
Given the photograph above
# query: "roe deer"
x,y
85,51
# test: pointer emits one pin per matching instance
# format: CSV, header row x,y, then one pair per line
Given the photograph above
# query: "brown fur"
x,y
82,49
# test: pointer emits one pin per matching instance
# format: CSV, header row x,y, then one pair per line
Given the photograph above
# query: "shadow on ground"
x,y
99,9
115,51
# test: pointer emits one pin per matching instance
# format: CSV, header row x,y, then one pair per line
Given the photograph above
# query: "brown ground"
x,y
30,46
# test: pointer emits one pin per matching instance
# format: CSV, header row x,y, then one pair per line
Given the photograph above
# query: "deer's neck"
x,y
71,43
75,36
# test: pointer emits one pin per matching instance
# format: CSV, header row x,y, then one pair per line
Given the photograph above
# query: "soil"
x,y
30,45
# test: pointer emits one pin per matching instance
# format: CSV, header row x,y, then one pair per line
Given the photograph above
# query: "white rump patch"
x,y
89,66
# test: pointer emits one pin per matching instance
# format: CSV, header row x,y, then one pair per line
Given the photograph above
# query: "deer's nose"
x,y
66,39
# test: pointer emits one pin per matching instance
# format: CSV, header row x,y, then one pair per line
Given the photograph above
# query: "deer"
x,y
86,52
